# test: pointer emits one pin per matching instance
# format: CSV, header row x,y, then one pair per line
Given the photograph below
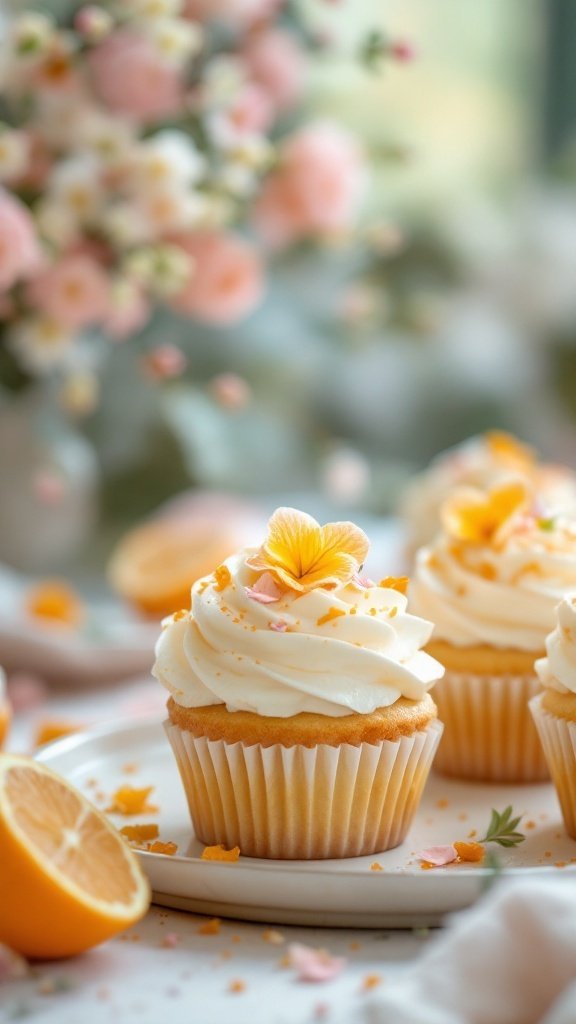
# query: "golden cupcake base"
x,y
558,737
303,802
489,735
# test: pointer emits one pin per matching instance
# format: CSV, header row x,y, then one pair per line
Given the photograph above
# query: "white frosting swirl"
x,y
350,649
558,669
474,463
499,595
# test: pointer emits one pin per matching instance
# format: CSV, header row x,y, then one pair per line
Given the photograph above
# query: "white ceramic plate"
x,y
322,893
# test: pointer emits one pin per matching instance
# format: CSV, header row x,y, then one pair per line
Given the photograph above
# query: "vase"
x,y
48,484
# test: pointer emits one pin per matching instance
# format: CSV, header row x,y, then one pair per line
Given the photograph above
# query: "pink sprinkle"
x,y
439,855
314,964
265,590
280,626
170,940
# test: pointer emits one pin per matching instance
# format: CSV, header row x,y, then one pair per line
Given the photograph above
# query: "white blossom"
x,y
177,40
14,151
40,343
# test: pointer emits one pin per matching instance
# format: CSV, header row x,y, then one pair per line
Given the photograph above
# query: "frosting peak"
x,y
255,643
558,669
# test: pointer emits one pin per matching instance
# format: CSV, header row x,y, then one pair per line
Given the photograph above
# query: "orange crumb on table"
x,y
220,853
139,833
463,816
561,864
273,937
54,601
472,833
226,954
235,938
168,849
426,865
127,800
211,927
236,986
470,852
376,866
354,946
442,804
91,783
285,961
370,981
50,729
548,853
130,768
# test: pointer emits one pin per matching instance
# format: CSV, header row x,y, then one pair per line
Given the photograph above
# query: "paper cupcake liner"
x,y
489,735
558,738
303,803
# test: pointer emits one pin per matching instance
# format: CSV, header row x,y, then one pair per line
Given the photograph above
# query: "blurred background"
x,y
439,302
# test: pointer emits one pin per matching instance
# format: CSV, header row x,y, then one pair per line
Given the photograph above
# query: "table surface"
x,y
164,965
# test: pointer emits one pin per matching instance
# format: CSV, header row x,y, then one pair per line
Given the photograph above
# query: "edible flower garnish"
x,y
302,555
314,964
220,853
508,449
265,590
501,830
472,516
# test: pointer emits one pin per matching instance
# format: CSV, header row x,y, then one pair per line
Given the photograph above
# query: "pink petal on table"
x,y
314,964
265,590
439,855
279,626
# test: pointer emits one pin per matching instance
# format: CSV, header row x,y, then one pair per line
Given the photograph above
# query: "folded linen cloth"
x,y
511,959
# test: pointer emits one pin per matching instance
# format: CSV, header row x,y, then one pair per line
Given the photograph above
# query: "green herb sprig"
x,y
502,829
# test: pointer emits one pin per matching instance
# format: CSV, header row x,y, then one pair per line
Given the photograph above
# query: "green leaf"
x,y
503,828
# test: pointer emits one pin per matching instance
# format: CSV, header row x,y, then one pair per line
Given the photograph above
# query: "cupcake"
x,y
299,712
554,710
483,462
490,583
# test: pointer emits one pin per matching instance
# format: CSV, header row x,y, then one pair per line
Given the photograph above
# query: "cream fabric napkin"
x,y
511,959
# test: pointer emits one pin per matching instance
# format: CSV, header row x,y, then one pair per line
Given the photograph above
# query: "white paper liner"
x,y
558,738
489,735
303,802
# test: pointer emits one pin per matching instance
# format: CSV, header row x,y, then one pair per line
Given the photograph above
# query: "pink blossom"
x,y
316,189
250,113
227,282
238,12
75,292
165,361
230,391
439,855
314,964
133,78
279,626
402,51
19,248
265,590
276,63
363,582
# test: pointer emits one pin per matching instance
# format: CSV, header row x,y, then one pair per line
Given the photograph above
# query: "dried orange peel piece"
x,y
140,833
168,849
50,729
55,601
127,800
473,853
220,853
68,880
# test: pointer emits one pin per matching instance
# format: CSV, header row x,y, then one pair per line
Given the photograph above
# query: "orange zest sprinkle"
x,y
376,866
55,601
470,852
332,613
182,614
128,800
223,577
50,729
273,937
393,612
236,986
211,927
140,833
220,853
168,849
370,981
399,583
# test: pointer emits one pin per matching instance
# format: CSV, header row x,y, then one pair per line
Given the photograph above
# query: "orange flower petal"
x,y
471,516
507,448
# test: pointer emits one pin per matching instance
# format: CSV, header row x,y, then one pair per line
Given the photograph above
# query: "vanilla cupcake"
x,y
299,712
554,710
490,583
483,462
